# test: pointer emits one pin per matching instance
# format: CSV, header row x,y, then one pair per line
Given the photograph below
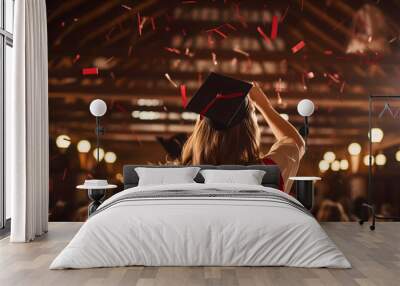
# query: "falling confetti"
x,y
139,22
300,45
183,95
310,75
90,71
77,57
120,108
173,50
170,80
189,2
334,77
210,41
278,90
188,53
274,30
241,52
266,39
126,7
234,62
284,14
342,86
230,26
220,33
214,58
239,16
153,23
65,174
130,50
109,60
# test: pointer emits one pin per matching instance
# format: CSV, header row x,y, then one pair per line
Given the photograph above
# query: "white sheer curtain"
x,y
27,157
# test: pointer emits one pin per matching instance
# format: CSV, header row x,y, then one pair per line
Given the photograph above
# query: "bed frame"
x,y
270,179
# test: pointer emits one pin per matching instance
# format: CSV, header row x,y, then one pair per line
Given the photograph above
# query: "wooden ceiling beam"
x,y
116,21
65,7
86,19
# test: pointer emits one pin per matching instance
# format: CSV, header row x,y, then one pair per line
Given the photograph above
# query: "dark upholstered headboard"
x,y
271,177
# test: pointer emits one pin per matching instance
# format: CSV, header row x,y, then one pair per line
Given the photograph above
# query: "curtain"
x,y
27,152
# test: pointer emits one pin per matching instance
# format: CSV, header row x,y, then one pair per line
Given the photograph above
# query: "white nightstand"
x,y
96,190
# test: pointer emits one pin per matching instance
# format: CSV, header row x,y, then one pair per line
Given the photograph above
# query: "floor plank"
x,y
375,257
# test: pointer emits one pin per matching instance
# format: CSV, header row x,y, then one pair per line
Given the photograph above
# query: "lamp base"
x,y
304,191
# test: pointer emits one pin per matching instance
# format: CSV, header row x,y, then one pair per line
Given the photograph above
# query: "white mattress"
x,y
202,231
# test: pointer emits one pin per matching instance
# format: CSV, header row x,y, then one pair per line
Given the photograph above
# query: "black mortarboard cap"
x,y
222,100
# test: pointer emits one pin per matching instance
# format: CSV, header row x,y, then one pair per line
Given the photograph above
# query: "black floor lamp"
x,y
98,108
370,205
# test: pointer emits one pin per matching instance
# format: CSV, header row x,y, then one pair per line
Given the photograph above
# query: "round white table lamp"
x,y
305,108
98,107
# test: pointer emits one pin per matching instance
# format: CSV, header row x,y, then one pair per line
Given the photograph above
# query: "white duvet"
x,y
203,231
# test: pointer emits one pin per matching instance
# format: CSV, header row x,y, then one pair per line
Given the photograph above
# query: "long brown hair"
x,y
236,145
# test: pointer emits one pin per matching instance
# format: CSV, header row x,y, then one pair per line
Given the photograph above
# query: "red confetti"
x,y
90,71
65,174
334,77
139,21
342,87
220,33
328,52
231,26
130,50
189,2
284,14
173,50
153,23
183,95
298,47
263,35
239,16
274,31
120,107
77,57
210,41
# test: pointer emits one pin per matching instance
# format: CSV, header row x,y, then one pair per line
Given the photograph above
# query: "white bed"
x,y
225,225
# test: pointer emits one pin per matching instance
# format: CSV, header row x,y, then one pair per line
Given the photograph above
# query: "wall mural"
x,y
146,59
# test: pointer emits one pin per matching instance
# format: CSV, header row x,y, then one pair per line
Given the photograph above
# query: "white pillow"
x,y
164,176
248,177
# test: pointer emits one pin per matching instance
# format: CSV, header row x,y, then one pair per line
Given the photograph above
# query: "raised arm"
x,y
281,128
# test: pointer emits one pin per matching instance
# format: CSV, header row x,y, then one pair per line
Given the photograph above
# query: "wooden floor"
x,y
375,257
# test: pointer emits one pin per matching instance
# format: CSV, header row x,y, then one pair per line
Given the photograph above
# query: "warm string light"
x,y
101,154
83,146
63,141
354,149
377,135
110,157
329,156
